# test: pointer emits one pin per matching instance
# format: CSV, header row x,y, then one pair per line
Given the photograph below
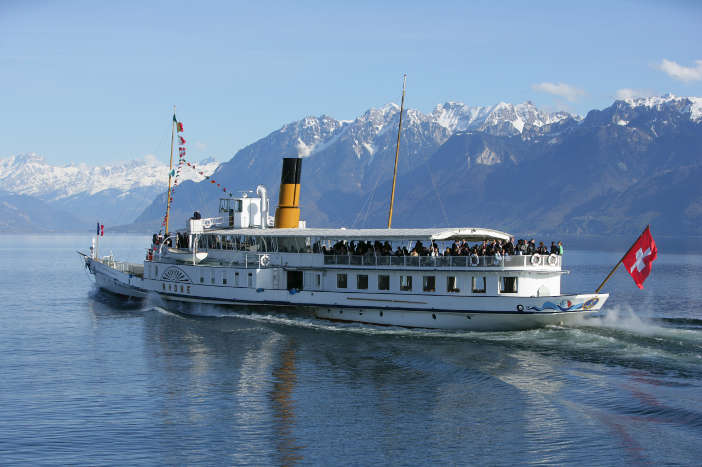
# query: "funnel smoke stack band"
x,y
292,168
287,214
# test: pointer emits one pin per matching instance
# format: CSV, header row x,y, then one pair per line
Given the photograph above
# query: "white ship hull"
x,y
112,279
431,311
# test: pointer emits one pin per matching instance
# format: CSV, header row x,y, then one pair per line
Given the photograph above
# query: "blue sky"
x,y
95,82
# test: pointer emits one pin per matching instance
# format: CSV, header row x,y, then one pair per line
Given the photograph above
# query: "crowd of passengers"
x,y
458,248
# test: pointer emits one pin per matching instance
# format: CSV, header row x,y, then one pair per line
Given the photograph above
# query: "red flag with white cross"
x,y
639,258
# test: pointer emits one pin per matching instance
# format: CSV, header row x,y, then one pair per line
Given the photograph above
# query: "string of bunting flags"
x,y
182,161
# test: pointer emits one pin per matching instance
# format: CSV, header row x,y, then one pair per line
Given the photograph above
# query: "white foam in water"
x,y
623,317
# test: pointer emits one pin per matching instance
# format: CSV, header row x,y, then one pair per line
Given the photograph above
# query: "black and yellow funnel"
x,y
287,214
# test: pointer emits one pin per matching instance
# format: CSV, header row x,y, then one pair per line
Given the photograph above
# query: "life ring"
x,y
520,307
207,223
552,259
536,259
497,259
474,260
264,260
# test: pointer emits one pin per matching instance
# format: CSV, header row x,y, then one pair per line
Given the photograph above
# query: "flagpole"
x,y
170,169
620,261
397,151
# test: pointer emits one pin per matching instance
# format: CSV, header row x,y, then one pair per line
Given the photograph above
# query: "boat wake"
x,y
619,338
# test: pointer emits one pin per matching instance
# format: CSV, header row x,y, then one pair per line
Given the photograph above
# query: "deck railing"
x,y
517,261
272,259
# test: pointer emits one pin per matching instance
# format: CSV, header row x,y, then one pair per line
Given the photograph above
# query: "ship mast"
x,y
170,171
397,151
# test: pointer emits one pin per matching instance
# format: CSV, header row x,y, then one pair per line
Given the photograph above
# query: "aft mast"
x,y
170,170
397,152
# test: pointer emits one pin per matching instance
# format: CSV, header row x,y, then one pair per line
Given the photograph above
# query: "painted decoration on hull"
x,y
565,305
174,274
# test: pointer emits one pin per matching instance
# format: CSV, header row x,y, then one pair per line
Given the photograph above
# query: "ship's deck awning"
x,y
472,234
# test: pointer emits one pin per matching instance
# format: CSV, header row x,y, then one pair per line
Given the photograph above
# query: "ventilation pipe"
x,y
287,214
263,194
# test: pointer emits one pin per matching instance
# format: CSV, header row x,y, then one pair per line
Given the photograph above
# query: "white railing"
x,y
127,268
250,259
445,261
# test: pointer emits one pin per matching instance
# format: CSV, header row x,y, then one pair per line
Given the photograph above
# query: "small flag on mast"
x,y
179,126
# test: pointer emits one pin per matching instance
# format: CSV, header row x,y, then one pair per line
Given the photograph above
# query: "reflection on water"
x,y
553,395
284,406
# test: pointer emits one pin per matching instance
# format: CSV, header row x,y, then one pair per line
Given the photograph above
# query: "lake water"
x,y
87,379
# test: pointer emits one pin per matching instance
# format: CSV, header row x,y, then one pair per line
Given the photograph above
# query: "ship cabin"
x,y
244,251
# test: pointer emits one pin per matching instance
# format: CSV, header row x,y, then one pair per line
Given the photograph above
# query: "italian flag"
x,y
179,125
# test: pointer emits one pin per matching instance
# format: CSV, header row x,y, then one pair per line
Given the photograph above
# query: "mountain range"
x,y
512,167
39,197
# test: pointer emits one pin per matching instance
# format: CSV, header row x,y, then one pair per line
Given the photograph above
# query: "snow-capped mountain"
x,y
351,157
691,106
111,194
514,167
501,119
29,174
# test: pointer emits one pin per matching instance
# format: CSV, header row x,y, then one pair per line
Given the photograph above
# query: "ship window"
x,y
164,286
155,271
508,284
188,289
236,278
362,281
224,281
478,285
212,279
250,279
181,289
406,283
452,284
341,281
202,279
429,283
383,282
238,206
319,280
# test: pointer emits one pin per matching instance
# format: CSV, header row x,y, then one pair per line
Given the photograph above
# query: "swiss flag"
x,y
639,258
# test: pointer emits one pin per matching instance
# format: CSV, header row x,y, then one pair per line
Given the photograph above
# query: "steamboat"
x,y
245,257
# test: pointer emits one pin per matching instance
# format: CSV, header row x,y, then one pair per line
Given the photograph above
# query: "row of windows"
x,y
478,284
